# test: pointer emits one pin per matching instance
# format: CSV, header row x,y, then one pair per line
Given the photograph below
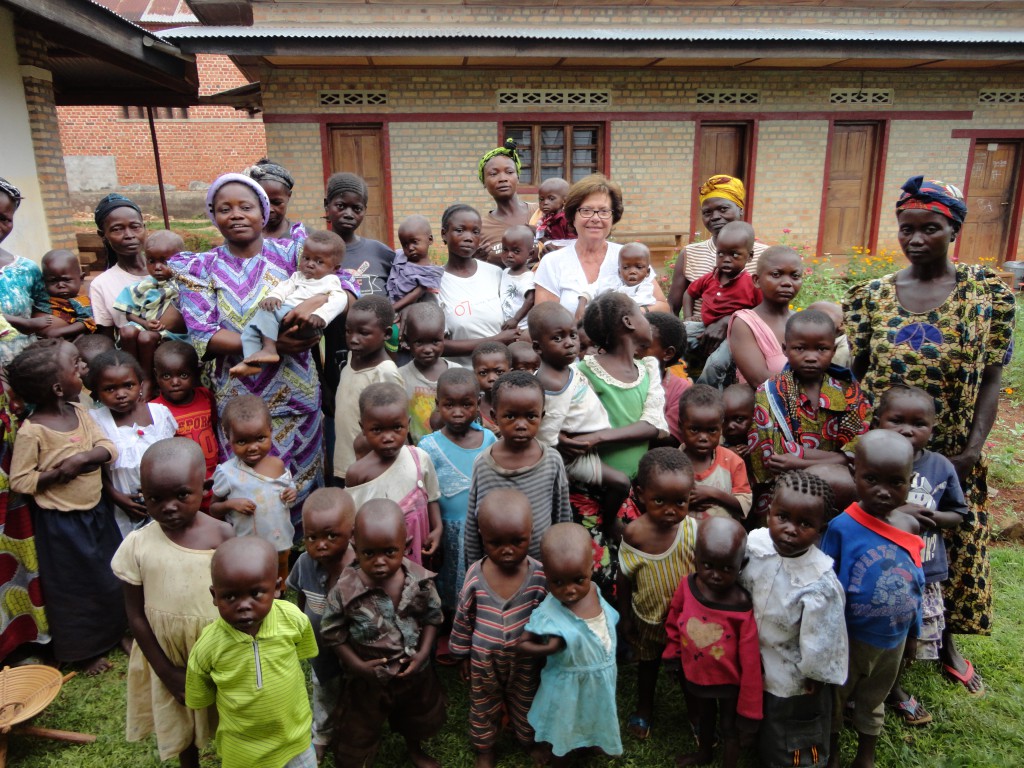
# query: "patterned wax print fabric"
x,y
22,614
71,311
218,290
944,351
21,289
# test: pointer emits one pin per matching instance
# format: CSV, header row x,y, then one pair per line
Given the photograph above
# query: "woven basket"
x,y
26,691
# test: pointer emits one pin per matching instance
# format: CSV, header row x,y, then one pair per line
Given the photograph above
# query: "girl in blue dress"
x,y
575,629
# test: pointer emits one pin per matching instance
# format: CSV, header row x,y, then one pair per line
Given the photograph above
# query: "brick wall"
x,y
213,140
651,158
46,138
297,147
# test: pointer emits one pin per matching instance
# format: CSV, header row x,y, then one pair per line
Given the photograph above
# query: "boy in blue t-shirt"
x,y
877,548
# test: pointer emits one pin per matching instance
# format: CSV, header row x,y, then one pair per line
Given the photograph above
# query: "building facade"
x,y
823,108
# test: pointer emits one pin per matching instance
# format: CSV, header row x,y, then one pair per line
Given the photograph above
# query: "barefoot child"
x,y
70,311
395,470
132,425
656,554
524,356
936,500
319,259
574,629
247,662
877,553
798,605
381,620
712,634
518,460
254,490
517,283
176,365
56,463
366,328
150,304
668,342
165,570
424,335
453,449
721,488
328,518
500,593
490,360
413,278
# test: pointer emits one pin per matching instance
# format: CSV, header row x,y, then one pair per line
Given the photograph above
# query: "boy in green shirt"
x,y
247,662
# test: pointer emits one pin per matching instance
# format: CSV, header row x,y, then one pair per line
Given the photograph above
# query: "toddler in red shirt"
x,y
721,292
712,634
176,365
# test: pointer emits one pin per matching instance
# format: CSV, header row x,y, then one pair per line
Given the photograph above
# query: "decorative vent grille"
x,y
728,96
869,96
554,98
1000,97
353,98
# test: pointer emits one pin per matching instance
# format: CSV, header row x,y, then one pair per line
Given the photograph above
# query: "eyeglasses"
x,y
601,213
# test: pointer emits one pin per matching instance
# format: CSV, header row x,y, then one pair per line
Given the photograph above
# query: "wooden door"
x,y
359,150
724,149
851,182
990,202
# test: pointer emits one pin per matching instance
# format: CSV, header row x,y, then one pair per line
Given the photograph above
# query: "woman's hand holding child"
x,y
289,495
243,506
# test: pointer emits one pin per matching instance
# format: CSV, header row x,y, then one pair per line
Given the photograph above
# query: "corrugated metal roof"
x,y
605,33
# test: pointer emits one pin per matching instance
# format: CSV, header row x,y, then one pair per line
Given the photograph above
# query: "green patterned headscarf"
x,y
508,149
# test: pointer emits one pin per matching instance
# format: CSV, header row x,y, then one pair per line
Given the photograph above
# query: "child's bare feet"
x,y
243,369
418,757
485,759
96,666
263,357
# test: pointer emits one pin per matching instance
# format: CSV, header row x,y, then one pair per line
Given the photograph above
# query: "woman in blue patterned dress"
x,y
21,284
947,328
220,290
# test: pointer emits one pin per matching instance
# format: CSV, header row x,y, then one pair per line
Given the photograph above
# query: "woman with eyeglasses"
x,y
570,275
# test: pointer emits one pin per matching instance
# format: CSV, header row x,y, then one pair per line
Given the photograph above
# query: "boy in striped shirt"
x,y
499,594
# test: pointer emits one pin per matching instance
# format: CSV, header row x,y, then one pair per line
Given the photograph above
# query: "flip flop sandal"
x,y
638,726
912,711
966,679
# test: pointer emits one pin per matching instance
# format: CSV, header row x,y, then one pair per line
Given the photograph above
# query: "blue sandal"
x,y
638,726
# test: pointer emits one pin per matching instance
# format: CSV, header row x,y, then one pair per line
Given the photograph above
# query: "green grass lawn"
x,y
967,732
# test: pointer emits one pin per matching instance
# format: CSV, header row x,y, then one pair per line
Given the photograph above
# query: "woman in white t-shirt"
x,y
594,206
119,222
470,292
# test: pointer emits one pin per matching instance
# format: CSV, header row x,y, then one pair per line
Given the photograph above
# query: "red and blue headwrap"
x,y
932,195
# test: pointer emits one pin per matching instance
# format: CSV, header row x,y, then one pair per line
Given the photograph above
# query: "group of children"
x,y
544,483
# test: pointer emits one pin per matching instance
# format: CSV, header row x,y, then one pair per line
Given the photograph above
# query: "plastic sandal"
x,y
638,726
966,679
912,712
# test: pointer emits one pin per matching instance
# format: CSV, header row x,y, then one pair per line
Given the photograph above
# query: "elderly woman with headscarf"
x,y
219,293
498,171
278,184
948,329
722,199
119,222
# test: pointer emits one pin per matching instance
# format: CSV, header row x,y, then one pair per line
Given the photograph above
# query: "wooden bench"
x,y
92,253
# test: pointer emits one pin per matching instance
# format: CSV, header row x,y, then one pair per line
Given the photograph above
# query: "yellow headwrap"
x,y
726,187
